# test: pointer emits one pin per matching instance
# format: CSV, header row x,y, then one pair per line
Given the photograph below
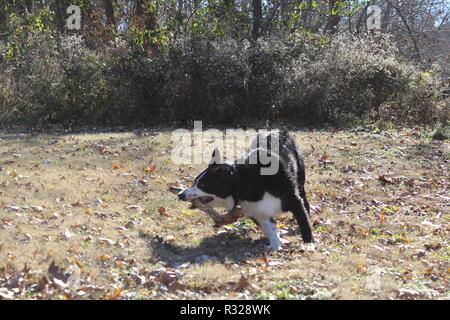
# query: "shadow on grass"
x,y
226,246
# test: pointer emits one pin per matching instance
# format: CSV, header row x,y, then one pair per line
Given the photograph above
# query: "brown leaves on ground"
x,y
57,281
64,277
150,169
89,217
113,294
166,277
162,211
242,283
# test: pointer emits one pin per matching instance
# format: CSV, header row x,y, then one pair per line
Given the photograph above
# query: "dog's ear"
x,y
215,159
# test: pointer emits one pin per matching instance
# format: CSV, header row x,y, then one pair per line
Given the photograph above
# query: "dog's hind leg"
x,y
305,201
301,177
298,209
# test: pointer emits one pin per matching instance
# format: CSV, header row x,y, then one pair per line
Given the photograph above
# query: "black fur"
x,y
287,184
244,182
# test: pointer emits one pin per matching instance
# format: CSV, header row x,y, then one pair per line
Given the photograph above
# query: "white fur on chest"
x,y
266,208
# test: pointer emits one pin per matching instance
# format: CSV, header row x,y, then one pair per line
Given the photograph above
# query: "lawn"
x,y
88,216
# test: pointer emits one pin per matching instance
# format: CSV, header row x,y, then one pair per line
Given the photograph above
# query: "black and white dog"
x,y
261,196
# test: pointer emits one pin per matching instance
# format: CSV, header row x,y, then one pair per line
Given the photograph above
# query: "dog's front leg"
x,y
270,229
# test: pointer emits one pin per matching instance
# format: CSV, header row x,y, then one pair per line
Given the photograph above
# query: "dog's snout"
x,y
187,194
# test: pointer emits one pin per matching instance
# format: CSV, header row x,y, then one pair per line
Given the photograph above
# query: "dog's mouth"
x,y
205,200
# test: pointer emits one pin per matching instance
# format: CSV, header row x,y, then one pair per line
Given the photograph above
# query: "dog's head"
x,y
213,186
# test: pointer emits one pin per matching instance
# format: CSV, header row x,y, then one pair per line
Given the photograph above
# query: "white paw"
x,y
309,247
274,246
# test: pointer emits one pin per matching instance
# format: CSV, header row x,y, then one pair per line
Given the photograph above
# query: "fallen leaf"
x,y
106,240
407,293
171,238
133,207
383,179
105,257
13,208
120,263
162,211
77,204
433,246
67,234
361,268
37,208
242,283
150,169
6,294
114,294
64,277
188,211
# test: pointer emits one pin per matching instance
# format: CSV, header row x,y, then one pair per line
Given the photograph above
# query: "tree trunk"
x,y
150,19
60,8
257,18
109,12
387,17
29,5
139,8
361,20
180,12
306,16
286,9
333,19
3,16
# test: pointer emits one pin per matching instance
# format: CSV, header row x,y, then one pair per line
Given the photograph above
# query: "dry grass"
x,y
378,238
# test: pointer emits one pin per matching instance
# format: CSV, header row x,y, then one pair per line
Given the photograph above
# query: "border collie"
x,y
261,196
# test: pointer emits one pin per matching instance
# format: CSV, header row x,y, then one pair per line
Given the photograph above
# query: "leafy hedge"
x,y
302,78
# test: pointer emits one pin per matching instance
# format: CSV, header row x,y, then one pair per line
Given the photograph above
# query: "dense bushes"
x,y
355,78
305,78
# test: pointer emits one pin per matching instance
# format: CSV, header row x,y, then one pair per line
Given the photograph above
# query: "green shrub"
x,y
303,77
355,78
